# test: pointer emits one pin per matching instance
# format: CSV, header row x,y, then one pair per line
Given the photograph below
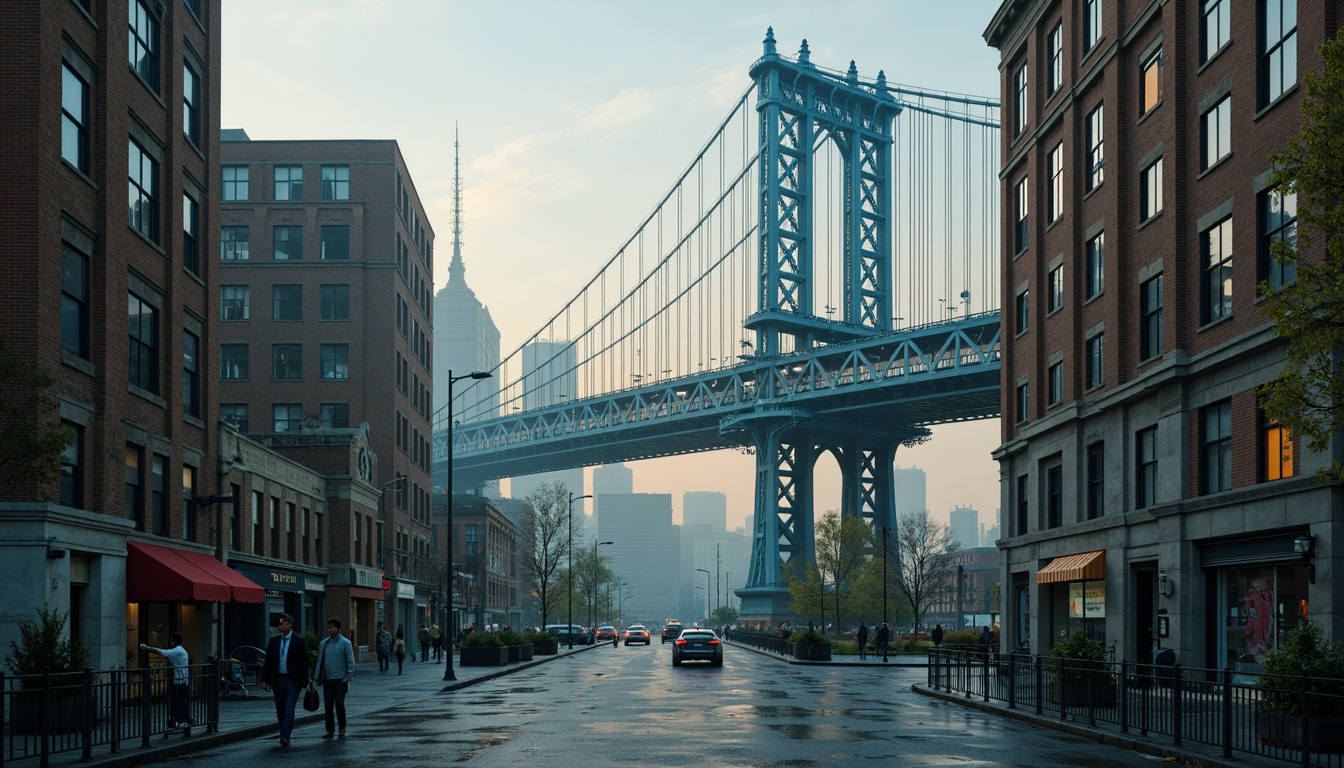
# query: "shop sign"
x,y
405,591
1087,599
311,584
367,578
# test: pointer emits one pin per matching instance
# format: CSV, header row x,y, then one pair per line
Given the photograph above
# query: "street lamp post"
x,y
884,573
593,617
448,529
707,616
620,604
570,550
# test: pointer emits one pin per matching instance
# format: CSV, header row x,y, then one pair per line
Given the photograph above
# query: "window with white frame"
x,y
1150,191
1216,133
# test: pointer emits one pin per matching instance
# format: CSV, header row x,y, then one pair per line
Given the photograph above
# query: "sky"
x,y
574,118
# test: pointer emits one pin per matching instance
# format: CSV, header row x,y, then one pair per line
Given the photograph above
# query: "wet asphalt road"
x,y
629,706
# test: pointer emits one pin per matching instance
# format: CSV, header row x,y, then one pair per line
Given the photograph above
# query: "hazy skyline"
x,y
574,118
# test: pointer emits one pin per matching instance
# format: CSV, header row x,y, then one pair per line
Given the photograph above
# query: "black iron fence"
x,y
1296,719
765,641
48,714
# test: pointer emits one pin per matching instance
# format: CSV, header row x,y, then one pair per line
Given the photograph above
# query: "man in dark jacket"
x,y
937,635
883,638
285,672
863,641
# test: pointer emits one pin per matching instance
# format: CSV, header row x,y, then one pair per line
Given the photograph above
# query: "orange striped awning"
x,y
1084,566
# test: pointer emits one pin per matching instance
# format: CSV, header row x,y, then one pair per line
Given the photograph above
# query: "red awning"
x,y
366,593
155,573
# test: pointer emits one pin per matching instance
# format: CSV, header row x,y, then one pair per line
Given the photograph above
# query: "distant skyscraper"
x,y
964,527
705,508
909,484
611,479
643,553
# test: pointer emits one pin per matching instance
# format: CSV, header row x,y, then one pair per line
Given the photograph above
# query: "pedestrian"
x,y
179,692
335,670
285,673
863,641
937,635
399,647
986,639
425,639
436,637
383,644
883,639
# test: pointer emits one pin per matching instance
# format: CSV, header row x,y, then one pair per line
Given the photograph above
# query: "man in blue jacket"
x,y
285,672
335,670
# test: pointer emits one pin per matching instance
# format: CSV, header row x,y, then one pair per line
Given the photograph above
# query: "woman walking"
x,y
399,646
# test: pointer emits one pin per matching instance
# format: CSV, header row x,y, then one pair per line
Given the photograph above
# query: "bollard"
x,y
1124,696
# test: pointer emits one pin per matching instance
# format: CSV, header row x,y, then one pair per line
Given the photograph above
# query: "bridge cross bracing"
x,y
822,278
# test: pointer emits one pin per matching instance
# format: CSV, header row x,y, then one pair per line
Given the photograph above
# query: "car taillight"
x,y
715,641
681,641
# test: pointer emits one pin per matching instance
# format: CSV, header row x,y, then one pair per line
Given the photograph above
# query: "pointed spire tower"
x,y
456,269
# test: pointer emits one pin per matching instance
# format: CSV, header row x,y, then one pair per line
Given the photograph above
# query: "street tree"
x,y
842,545
31,436
926,574
807,591
545,533
1305,296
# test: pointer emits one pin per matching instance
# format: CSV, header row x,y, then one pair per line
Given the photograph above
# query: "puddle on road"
x,y
814,731
773,694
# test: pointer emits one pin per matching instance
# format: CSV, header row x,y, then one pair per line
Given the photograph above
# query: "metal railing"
x,y
1296,719
765,641
47,714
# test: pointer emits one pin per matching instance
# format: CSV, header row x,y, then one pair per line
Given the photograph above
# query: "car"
x,y
671,630
567,633
607,633
697,645
637,633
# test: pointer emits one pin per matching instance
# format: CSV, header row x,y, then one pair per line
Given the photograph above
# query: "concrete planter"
x,y
546,647
1322,736
812,651
525,652
484,657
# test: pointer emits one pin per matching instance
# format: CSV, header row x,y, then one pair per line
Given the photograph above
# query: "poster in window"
x,y
1255,588
1087,599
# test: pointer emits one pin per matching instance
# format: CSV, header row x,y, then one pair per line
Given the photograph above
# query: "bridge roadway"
x,y
915,377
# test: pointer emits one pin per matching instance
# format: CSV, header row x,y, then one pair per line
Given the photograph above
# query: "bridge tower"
x,y
800,109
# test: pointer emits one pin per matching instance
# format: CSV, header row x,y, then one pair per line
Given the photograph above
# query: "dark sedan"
x,y
697,645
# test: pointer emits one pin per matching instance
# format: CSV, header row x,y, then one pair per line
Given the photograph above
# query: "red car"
x,y
607,633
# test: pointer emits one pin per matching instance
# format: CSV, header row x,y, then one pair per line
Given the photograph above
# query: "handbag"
x,y
310,698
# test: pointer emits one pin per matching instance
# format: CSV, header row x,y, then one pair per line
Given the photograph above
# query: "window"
x,y
233,242
1023,504
1054,496
473,538
288,182
191,104
1278,224
336,415
335,182
233,362
1055,71
1150,82
1056,383
74,301
195,7
144,43
1020,208
1215,433
1150,318
191,374
135,486
1091,24
1096,480
1145,459
275,527
1150,191
1020,105
1216,141
235,414
1055,203
72,468
234,182
288,241
1023,311
1096,355
234,302
1096,150
158,496
1096,266
335,242
288,417
191,245
1215,246
74,119
335,361
1054,297
1278,48
144,344
1216,29
287,302
143,202
335,302
188,503
1023,403
257,537
1276,448
287,362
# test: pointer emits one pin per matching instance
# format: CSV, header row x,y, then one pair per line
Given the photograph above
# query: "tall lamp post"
x,y
448,529
707,616
620,604
570,550
593,617
884,574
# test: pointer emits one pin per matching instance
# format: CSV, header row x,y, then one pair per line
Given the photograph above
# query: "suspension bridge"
x,y
822,277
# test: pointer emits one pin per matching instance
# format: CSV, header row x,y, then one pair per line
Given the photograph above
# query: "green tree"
x,y
926,575
31,435
842,546
807,593
545,524
1307,398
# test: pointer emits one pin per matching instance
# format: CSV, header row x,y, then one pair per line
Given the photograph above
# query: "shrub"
x,y
1071,660
310,639
509,637
479,639
962,639
1305,648
43,645
808,635
534,636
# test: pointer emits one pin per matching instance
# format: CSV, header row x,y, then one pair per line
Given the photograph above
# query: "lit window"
x,y
1276,445
1150,82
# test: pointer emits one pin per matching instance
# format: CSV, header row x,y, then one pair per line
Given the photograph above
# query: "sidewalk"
x,y
254,717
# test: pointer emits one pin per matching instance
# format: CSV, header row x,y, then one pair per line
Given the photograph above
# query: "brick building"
x,y
487,548
1147,501
324,303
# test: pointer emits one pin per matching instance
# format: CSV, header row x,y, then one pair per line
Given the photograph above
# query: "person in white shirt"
x,y
179,692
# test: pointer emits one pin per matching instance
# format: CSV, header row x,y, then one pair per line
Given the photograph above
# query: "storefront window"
x,y
1079,605
1261,604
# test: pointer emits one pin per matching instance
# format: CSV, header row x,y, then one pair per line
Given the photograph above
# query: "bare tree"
x,y
546,529
925,573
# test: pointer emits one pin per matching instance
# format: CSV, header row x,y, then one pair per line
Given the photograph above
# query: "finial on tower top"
x,y
804,54
853,74
769,41
881,80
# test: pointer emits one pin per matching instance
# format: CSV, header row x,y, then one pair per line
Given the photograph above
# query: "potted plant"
x,y
1080,673
1278,713
543,644
44,647
519,648
482,649
810,644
